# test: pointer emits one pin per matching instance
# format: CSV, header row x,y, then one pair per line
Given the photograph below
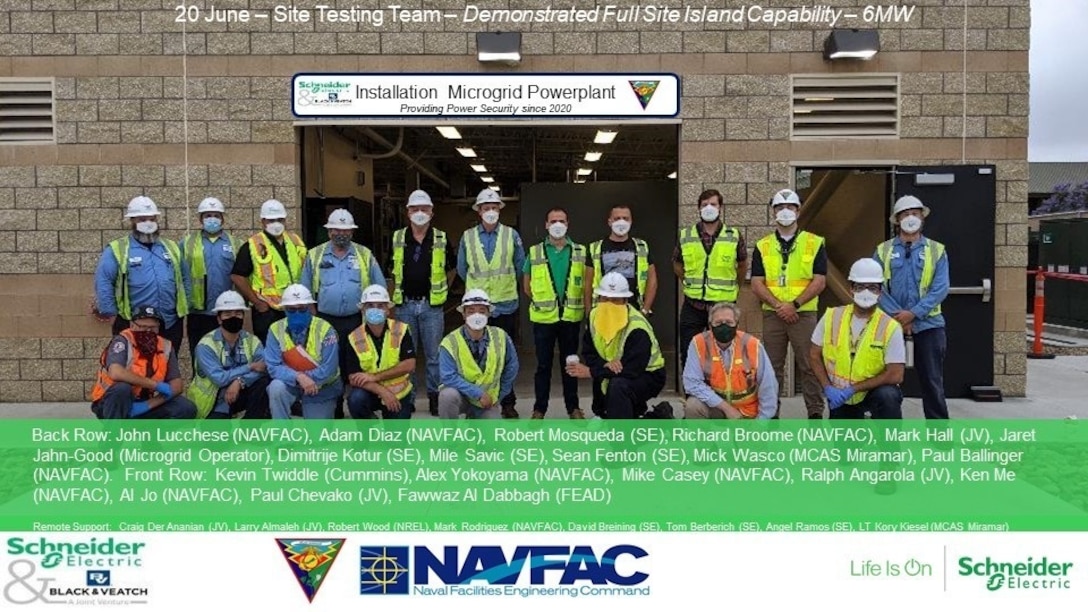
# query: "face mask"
x,y
491,217
557,230
233,324
147,227
212,225
420,218
911,224
865,299
275,229
785,217
476,322
147,342
724,333
341,241
621,227
298,321
709,213
610,320
375,316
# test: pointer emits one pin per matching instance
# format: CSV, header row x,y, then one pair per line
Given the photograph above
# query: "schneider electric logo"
x,y
1023,575
90,553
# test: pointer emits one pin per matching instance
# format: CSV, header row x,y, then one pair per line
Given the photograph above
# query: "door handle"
x,y
985,290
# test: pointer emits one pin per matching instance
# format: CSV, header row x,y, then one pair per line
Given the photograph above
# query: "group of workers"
x,y
330,328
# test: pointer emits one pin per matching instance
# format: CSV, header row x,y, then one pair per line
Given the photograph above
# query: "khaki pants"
x,y
694,408
778,336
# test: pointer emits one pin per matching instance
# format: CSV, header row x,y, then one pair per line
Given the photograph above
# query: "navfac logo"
x,y
491,570
644,90
310,561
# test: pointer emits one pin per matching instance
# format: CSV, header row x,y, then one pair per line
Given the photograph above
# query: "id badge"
x,y
782,280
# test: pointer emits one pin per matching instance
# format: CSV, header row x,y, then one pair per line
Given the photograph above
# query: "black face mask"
x,y
724,333
233,324
147,342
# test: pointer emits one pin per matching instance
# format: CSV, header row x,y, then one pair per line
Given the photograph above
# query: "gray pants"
x,y
452,404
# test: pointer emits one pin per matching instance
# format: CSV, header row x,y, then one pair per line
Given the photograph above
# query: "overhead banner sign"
x,y
400,95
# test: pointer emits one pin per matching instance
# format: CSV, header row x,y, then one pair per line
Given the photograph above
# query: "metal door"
x,y
962,202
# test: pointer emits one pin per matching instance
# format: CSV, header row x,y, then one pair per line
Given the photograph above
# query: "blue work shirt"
x,y
150,280
695,383
450,376
218,262
902,291
329,365
341,283
234,365
489,239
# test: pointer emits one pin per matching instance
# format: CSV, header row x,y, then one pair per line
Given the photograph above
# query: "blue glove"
x,y
139,408
165,389
832,393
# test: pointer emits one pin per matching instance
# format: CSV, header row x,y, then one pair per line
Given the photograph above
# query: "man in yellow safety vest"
x,y
478,363
303,359
230,375
209,256
383,359
627,255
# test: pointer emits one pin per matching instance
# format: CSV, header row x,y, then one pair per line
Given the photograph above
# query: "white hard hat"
x,y
297,295
419,198
866,271
375,294
273,209
341,219
474,297
210,205
141,206
908,202
786,196
229,300
613,285
488,196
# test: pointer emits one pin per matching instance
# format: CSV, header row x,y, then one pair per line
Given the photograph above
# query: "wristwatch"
x,y
241,382
796,305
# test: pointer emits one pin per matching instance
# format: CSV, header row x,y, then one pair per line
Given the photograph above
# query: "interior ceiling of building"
x,y
512,155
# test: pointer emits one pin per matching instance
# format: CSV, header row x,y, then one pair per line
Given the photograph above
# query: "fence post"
x,y
1038,311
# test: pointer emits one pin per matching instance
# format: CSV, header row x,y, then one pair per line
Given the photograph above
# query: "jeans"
x,y
117,404
929,350
507,323
451,404
546,335
692,323
883,402
626,398
253,400
196,327
364,405
426,324
280,398
343,326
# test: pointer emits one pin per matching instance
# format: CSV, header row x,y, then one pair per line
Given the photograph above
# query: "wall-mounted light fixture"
x,y
498,47
852,44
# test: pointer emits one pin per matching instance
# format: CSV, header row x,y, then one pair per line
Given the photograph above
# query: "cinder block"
x,y
20,391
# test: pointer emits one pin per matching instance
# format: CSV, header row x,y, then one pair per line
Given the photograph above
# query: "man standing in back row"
x,y
626,255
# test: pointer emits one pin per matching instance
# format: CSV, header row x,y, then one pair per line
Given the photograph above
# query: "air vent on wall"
x,y
26,110
845,106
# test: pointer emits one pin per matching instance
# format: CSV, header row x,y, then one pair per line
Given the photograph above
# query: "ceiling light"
x,y
579,180
604,137
449,132
673,175
584,171
478,167
851,44
487,179
819,99
466,151
593,156
493,187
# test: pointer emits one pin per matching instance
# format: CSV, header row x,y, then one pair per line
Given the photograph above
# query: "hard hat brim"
x,y
477,205
461,307
343,226
134,215
613,294
225,309
924,209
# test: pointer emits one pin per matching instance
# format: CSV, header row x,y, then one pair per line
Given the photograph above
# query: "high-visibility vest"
x,y
614,350
642,266
739,386
119,248
363,257
846,364
788,280
203,391
192,247
710,278
490,377
271,275
439,287
546,307
367,353
932,252
154,368
315,337
495,276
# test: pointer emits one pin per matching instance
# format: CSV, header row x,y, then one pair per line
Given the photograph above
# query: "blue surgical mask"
x,y
375,316
298,321
212,225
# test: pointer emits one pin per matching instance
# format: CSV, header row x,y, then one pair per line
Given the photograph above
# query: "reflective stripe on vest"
x,y
932,252
739,386
847,365
546,306
315,338
119,248
367,353
194,258
713,277
490,377
787,280
642,266
271,275
203,391
614,350
137,364
317,254
497,277
439,288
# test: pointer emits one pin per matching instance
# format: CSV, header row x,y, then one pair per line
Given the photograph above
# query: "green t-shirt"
x,y
558,263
